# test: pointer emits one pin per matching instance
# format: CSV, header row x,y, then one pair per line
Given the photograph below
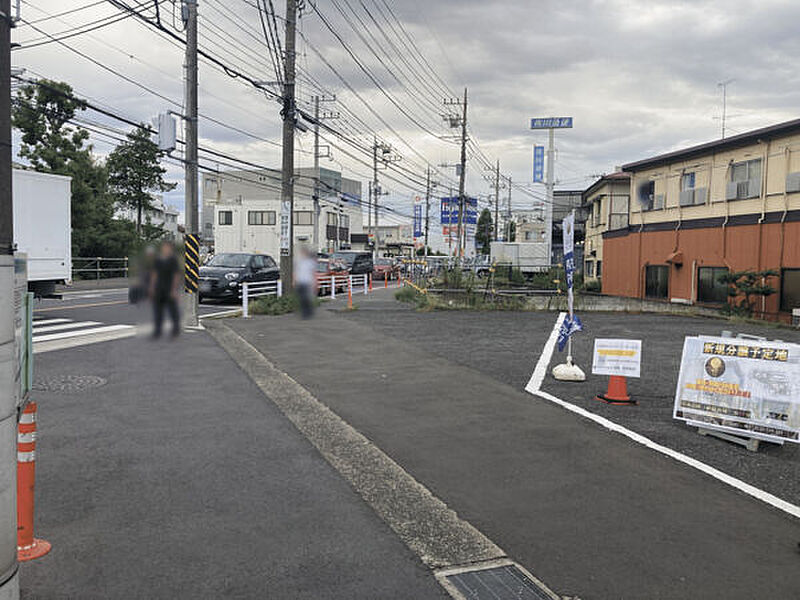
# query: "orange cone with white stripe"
x,y
28,547
350,292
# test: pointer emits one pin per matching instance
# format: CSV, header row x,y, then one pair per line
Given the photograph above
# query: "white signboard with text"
x,y
617,357
746,387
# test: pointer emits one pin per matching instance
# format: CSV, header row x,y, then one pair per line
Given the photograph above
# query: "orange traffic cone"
x,y
385,280
28,547
617,392
370,282
350,293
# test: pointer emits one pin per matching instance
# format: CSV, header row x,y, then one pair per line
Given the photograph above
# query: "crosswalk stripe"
x,y
69,334
62,326
38,322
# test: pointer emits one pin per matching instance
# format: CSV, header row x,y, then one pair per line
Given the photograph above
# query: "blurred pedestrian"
x,y
164,285
305,278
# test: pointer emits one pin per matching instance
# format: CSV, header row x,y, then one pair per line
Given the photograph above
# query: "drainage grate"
x,y
67,383
499,583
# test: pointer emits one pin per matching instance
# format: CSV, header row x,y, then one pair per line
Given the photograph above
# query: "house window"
x,y
303,217
225,217
790,289
332,219
589,268
344,221
709,287
746,170
599,269
261,217
648,198
656,281
687,181
528,236
597,213
618,219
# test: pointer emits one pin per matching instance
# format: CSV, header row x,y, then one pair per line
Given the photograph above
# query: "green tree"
x,y
42,113
484,233
512,232
745,287
135,174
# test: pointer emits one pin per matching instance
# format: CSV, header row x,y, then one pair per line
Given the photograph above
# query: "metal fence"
x,y
99,267
328,286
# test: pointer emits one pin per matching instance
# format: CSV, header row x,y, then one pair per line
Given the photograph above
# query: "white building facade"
x,y
241,211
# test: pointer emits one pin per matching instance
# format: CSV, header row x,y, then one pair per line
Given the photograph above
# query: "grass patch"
x,y
406,294
273,305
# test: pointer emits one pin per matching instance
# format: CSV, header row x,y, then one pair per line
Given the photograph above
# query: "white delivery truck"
x,y
528,257
43,228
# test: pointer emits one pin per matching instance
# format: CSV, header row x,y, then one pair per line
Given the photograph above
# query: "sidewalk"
x,y
588,512
177,478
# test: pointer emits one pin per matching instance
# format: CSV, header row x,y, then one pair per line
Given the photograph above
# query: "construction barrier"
x,y
28,547
191,263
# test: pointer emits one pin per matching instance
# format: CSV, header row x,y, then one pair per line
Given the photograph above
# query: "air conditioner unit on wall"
x,y
792,183
700,195
687,197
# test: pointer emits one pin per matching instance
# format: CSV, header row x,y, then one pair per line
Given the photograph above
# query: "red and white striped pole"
x,y
28,547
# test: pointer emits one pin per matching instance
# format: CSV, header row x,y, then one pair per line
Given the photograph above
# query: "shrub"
x,y
593,285
273,305
406,294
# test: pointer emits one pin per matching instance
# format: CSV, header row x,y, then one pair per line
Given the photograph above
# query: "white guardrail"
x,y
328,286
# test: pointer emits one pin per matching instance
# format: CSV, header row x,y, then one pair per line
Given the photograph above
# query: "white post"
x,y
245,311
365,283
333,287
280,288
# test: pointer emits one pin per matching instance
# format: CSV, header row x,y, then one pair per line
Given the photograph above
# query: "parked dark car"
x,y
357,263
222,276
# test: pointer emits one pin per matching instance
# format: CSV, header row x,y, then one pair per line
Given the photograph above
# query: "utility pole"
x,y
375,192
9,588
190,182
427,209
317,156
316,175
287,167
461,222
497,200
508,212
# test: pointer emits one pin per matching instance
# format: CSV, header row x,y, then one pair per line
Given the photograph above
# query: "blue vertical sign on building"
x,y
417,220
538,164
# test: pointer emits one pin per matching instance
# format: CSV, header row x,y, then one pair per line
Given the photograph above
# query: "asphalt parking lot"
x,y
506,346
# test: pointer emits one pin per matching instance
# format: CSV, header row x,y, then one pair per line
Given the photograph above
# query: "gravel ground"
x,y
506,346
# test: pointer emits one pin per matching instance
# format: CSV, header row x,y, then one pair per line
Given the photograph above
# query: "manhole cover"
x,y
499,583
67,383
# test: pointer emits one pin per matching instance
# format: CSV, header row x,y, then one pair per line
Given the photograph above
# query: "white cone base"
x,y
568,372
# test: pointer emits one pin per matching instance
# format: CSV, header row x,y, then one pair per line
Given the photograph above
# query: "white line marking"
x,y
740,485
62,326
38,322
99,291
221,313
84,340
69,334
544,358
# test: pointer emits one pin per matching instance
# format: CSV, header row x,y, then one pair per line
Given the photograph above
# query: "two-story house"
x,y
728,205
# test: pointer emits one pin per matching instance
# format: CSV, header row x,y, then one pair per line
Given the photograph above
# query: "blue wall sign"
x,y
538,164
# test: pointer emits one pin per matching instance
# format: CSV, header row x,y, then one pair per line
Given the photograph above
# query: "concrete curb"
x,y
423,522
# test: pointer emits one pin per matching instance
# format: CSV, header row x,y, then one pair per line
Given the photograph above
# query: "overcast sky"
x,y
639,77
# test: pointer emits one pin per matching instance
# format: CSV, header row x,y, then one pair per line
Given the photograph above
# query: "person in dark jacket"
x,y
164,285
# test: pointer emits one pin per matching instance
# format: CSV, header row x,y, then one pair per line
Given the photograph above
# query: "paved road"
x,y
588,512
176,478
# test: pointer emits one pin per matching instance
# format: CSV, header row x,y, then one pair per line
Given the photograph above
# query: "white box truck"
x,y
43,228
528,257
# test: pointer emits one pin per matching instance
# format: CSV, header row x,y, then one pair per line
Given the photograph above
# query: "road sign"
x,y
617,357
552,123
746,387
191,263
417,220
538,164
